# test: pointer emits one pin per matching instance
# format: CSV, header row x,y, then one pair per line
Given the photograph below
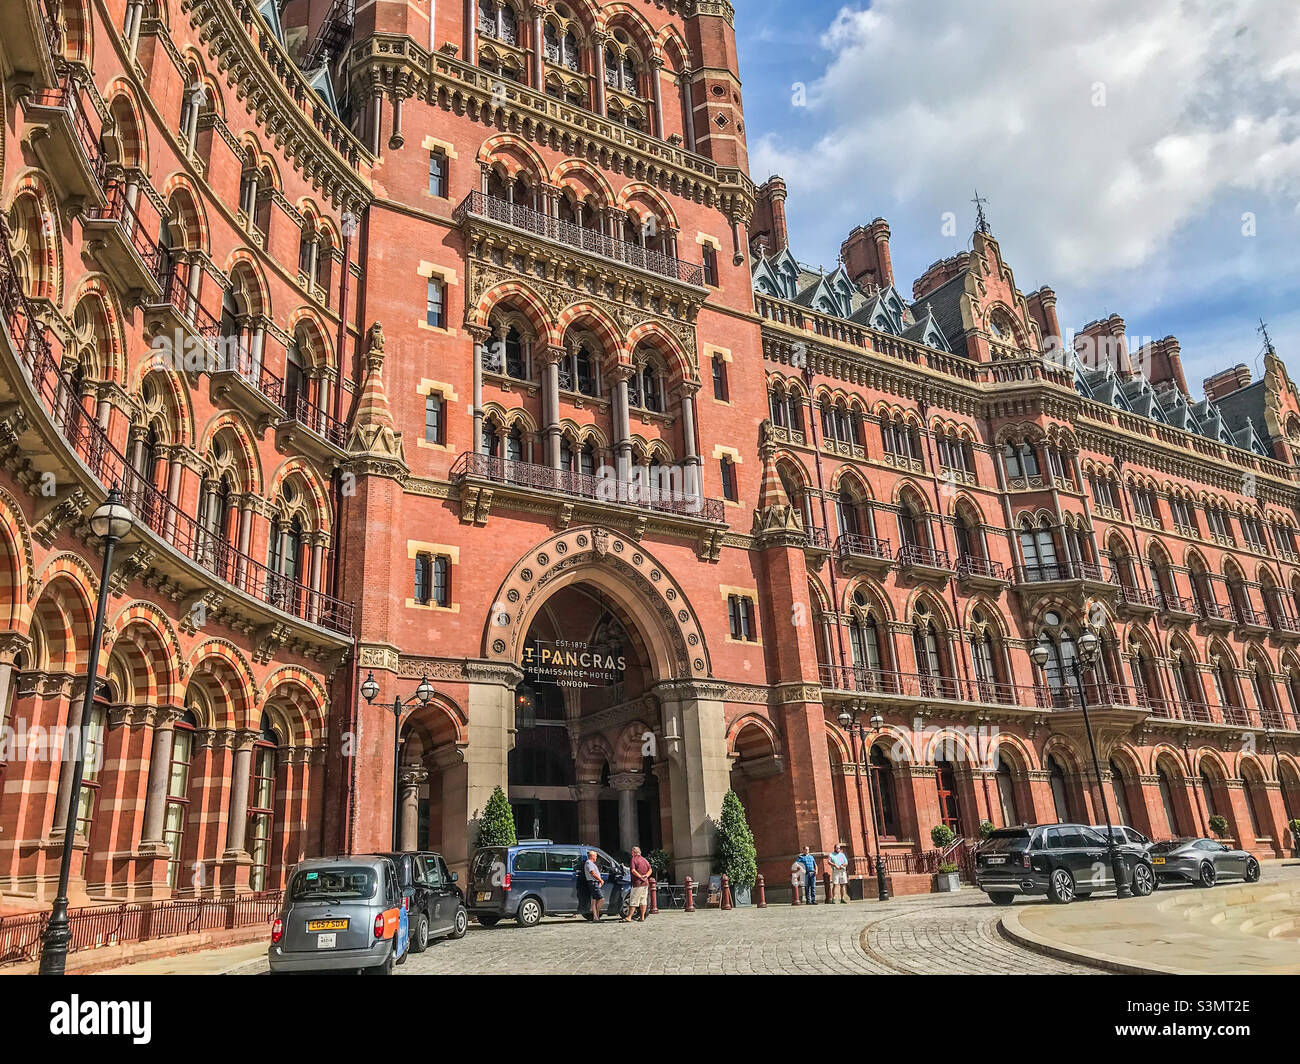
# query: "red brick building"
x,y
435,341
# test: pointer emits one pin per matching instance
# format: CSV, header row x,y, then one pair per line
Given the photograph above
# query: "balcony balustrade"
x,y
864,552
567,234
31,349
914,556
981,571
1052,572
588,486
63,138
122,245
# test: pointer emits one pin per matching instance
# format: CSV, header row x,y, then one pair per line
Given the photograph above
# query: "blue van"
x,y
539,878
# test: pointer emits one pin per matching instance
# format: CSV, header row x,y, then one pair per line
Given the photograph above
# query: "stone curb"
x,y
1011,928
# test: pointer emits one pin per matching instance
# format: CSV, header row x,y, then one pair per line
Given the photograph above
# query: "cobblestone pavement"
x,y
930,934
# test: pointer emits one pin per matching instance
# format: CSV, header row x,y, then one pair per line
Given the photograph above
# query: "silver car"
x,y
341,914
1202,861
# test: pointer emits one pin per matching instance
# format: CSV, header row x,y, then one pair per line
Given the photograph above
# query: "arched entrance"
x,y
616,732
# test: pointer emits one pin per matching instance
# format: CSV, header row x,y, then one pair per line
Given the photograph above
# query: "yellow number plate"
x,y
327,925
1157,860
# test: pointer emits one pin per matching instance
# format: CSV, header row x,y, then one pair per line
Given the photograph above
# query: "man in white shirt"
x,y
839,861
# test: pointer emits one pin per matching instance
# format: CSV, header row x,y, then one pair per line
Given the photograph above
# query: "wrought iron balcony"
x,y
817,538
325,427
916,556
1139,598
981,570
121,243
1052,572
180,531
865,551
61,134
588,486
567,234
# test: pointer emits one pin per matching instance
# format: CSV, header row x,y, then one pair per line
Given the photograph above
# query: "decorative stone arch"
x,y
937,606
1208,755
214,656
309,699
659,206
1023,754
899,744
594,753
251,462
190,219
599,184
847,476
627,749
587,317
74,568
499,149
667,345
837,737
313,497
878,602
625,571
318,352
968,753
37,210
758,721
433,726
170,661
17,565
94,291
516,295
242,263
131,143
59,622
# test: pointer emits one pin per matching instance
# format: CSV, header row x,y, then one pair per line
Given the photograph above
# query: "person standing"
x,y
595,885
640,896
810,877
839,875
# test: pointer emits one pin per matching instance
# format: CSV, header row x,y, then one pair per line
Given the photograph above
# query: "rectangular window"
x,y
710,266
423,578
729,480
442,581
434,409
435,312
438,173
740,613
720,379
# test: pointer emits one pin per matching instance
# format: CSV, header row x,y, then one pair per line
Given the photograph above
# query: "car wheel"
x,y
530,911
381,969
1001,897
420,934
461,925
487,920
1207,875
1060,888
1144,880
1252,871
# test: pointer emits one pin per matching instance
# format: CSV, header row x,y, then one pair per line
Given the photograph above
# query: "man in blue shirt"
x,y
810,876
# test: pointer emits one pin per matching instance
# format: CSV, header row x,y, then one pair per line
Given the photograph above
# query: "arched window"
x,y
946,784
882,769
587,460
1119,790
984,657
1007,793
1038,547
295,379
1166,787
92,737
261,806
1207,792
846,512
1059,668
515,445
930,658
1060,790
491,439
864,644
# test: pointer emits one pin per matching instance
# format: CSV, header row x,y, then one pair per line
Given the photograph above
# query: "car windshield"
x,y
1173,844
1001,841
333,884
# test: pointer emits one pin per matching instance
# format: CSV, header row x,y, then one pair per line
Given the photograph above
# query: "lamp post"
x,y
370,691
1086,658
111,521
851,723
1277,771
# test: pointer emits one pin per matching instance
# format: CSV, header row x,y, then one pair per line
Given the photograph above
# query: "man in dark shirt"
x,y
639,899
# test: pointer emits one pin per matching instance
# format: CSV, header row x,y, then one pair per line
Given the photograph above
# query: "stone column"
x,y
539,51
627,784
240,781
480,335
471,31
160,760
412,779
622,426
656,68
690,445
695,734
598,40
587,795
688,113
554,356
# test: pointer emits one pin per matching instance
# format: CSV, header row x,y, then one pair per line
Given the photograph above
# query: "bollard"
x,y
795,888
690,896
826,896
726,892
762,894
654,898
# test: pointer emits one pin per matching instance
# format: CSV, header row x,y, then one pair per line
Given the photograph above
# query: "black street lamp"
x,y
1286,805
370,691
1088,649
111,521
849,722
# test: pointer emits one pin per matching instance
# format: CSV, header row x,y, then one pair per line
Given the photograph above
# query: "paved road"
x,y
929,934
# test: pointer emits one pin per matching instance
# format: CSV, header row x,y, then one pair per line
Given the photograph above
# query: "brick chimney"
x,y
1042,308
1226,382
1103,343
939,273
1161,362
768,228
866,255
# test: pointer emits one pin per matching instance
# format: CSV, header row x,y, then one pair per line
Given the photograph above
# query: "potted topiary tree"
x,y
737,855
986,829
1295,837
661,864
1219,825
496,827
946,880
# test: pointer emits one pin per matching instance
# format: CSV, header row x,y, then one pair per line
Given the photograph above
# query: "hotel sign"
x,y
571,664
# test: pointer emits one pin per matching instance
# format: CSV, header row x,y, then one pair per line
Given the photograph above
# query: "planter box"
x,y
947,882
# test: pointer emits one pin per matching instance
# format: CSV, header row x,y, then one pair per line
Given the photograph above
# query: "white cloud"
x,y
1134,206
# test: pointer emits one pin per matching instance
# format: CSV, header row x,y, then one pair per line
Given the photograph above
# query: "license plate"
x,y
995,860
1157,860
484,895
327,925
326,941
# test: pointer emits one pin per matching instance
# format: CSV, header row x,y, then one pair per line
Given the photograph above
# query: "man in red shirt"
x,y
640,895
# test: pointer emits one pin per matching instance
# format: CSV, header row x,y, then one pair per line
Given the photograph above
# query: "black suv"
x,y
434,902
1063,861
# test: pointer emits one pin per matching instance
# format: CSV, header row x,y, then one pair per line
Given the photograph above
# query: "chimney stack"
x,y
768,228
1226,382
866,255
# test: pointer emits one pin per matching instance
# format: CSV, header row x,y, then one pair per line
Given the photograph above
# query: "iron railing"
x,y
925,557
325,425
592,241
102,926
118,209
985,567
1047,572
649,496
67,96
851,545
182,531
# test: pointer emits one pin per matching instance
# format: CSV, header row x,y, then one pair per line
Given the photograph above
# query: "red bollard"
x,y
726,892
690,896
654,898
795,888
762,894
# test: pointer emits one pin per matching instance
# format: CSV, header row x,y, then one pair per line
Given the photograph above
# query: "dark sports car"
x,y
1202,861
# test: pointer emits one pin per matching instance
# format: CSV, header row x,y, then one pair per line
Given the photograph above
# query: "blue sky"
x,y
1142,159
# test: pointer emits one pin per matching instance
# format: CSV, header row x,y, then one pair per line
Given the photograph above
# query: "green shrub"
x,y
661,861
737,855
986,828
942,836
497,825
1219,825
947,868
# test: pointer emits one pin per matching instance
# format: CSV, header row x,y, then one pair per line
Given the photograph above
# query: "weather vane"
x,y
981,222
1268,343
